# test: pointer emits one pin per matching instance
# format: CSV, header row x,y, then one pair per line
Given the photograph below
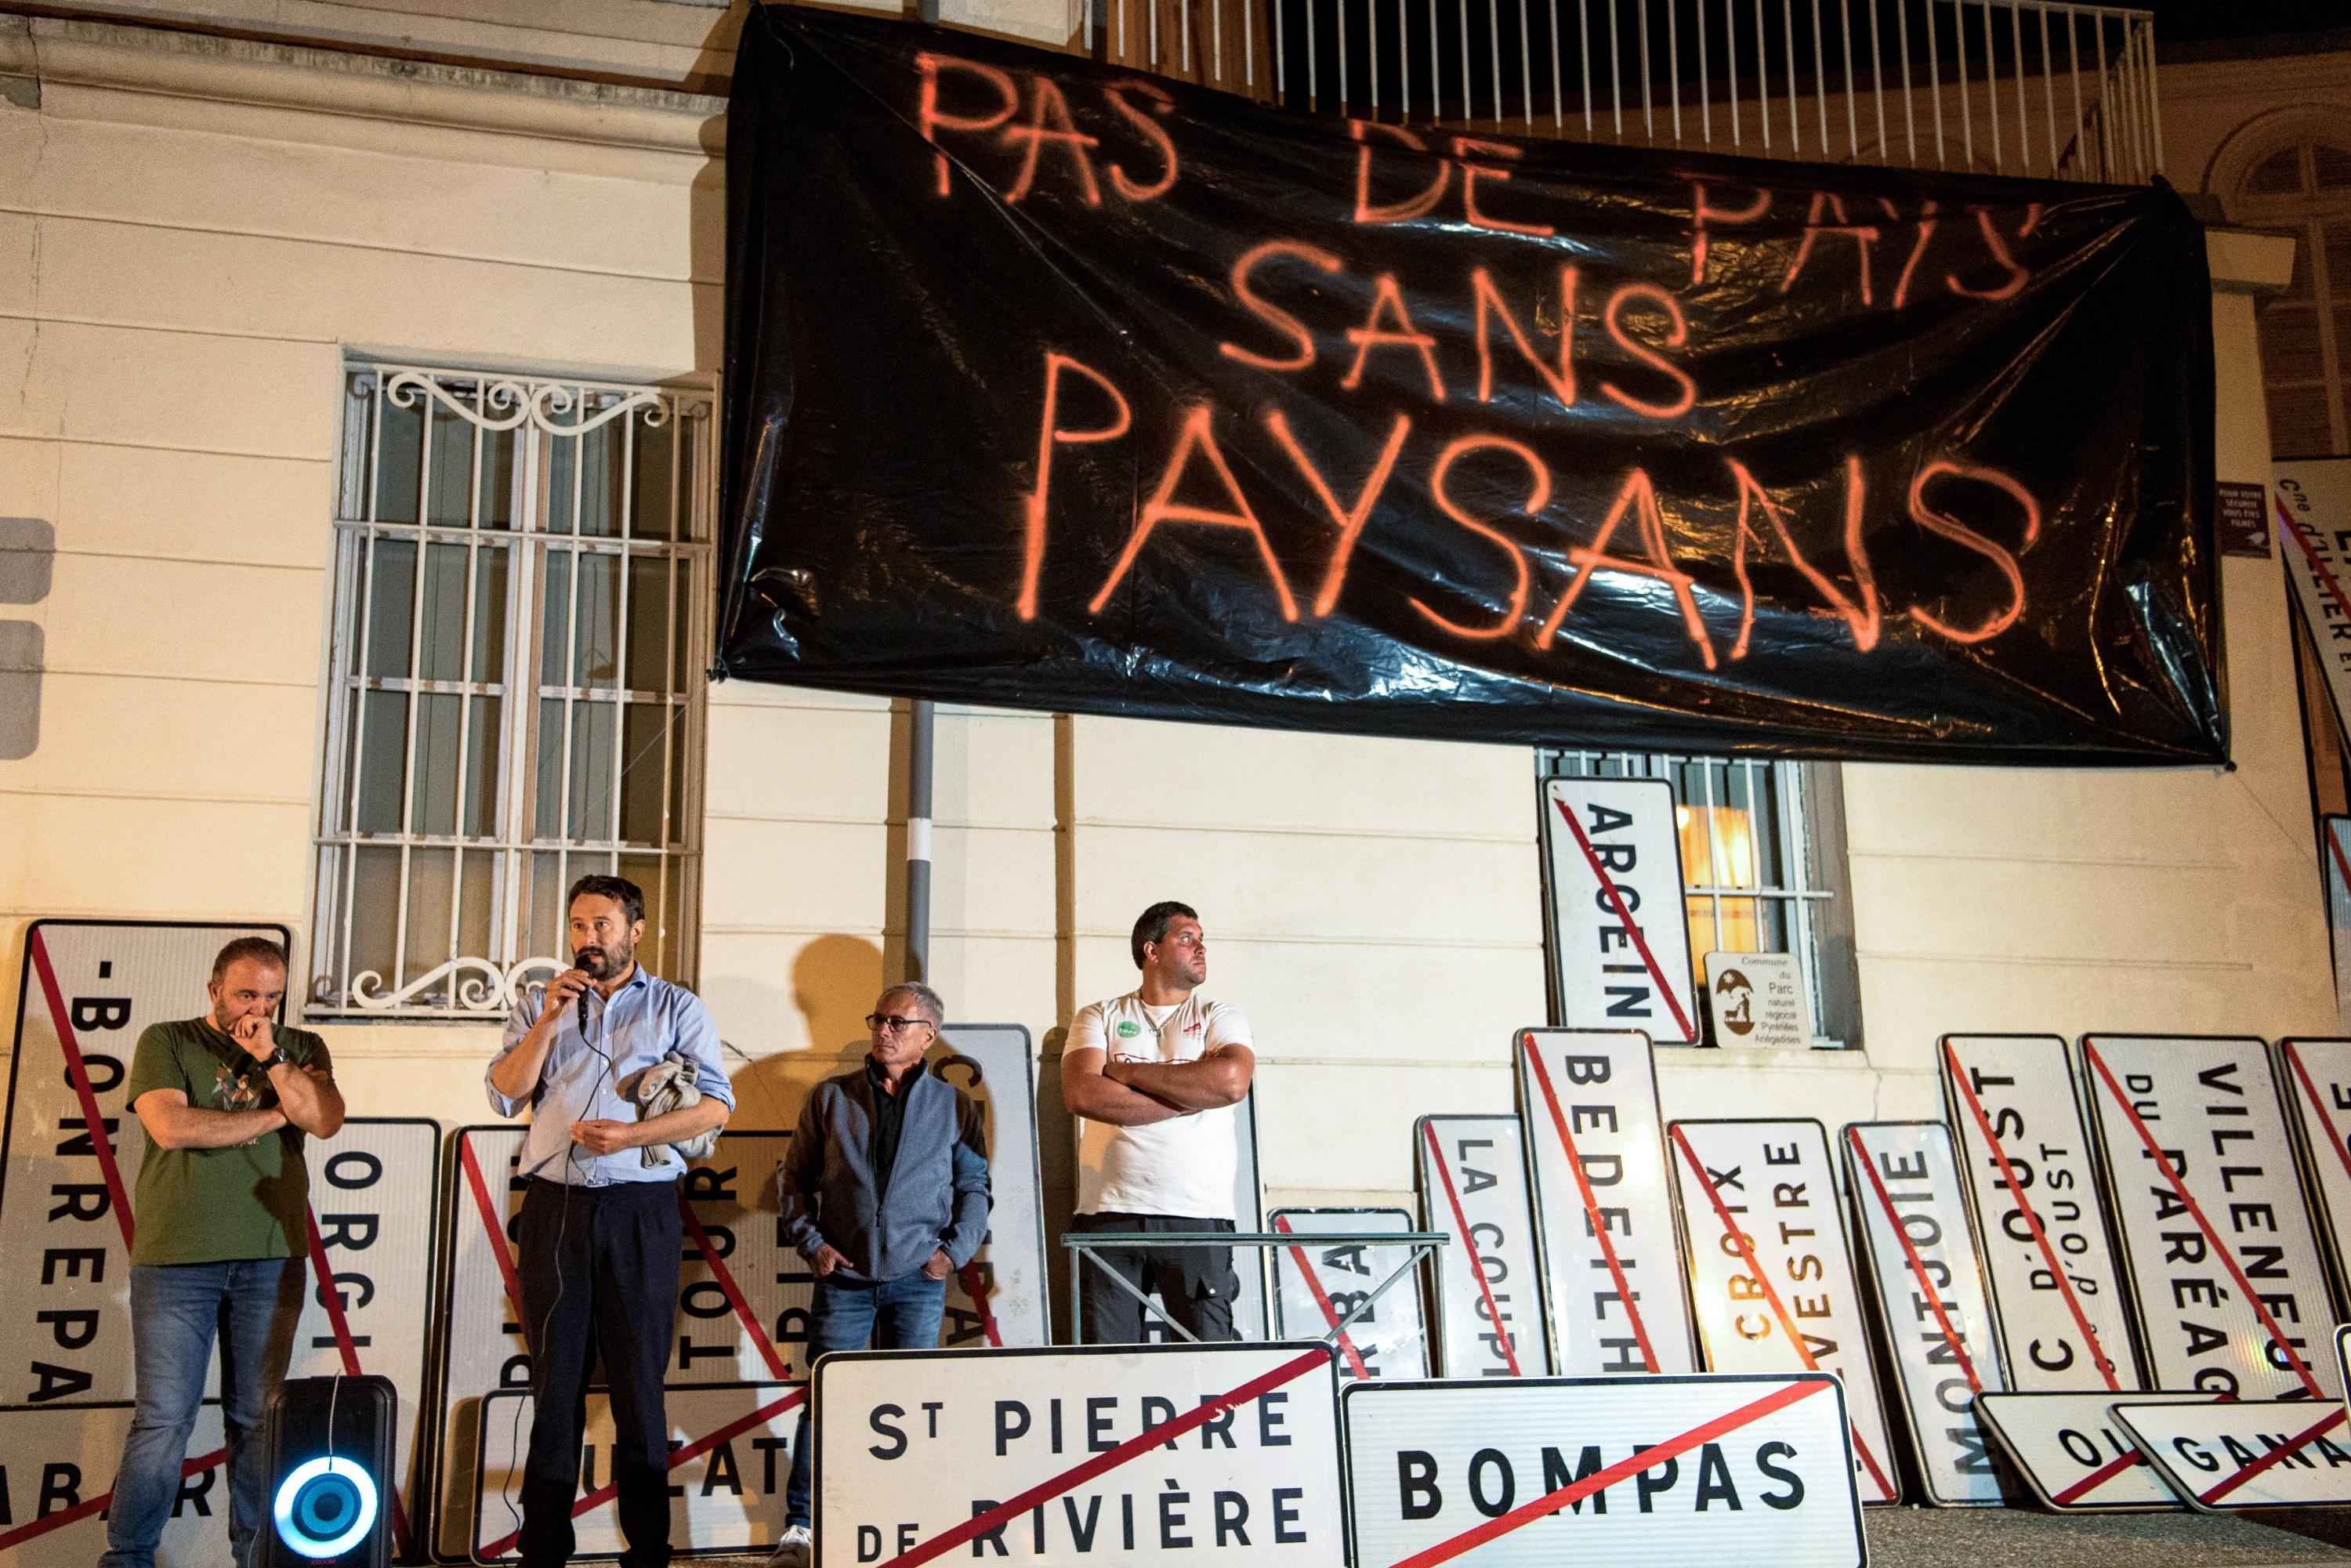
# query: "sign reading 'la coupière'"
x,y
1055,385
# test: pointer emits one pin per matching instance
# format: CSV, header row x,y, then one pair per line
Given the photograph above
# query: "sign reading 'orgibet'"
x,y
1054,384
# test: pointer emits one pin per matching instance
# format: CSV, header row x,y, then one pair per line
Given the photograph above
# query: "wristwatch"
x,y
276,1057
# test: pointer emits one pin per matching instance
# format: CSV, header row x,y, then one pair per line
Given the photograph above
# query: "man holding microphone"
x,y
599,1235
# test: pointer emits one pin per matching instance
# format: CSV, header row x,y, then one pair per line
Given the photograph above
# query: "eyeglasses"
x,y
891,1022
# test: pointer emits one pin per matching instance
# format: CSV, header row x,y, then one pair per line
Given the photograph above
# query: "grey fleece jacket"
x,y
938,1195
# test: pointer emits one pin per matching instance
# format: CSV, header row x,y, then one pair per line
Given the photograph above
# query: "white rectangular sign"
x,y
1758,998
2216,1238
1252,1310
732,1196
730,1455
1002,1296
1620,943
2222,1455
2316,1077
1225,1454
1770,1276
1929,1296
1605,1220
56,1477
1490,1298
2312,510
2056,1293
1316,1285
2073,1453
2335,867
1534,1472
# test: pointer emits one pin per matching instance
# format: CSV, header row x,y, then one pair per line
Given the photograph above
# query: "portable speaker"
x,y
326,1448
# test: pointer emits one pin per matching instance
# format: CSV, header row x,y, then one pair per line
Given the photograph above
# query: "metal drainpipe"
x,y
918,840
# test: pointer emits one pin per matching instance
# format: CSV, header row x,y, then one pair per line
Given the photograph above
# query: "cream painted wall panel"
x,y
989,882
786,764
1295,885
773,993
794,877
139,501
19,247
1832,1086
2055,815
1350,1129
995,979
479,311
757,694
993,767
390,200
155,860
112,735
189,621
1995,909
173,389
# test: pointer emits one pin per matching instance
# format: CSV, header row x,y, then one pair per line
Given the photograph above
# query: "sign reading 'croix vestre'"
x,y
1057,385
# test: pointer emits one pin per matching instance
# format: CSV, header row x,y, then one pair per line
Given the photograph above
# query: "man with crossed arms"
x,y
1155,1078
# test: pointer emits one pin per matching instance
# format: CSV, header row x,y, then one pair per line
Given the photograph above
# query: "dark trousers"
x,y
599,1276
1196,1284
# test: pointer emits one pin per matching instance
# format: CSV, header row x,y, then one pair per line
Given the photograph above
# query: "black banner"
x,y
1052,385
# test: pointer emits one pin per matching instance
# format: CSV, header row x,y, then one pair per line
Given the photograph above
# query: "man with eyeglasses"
x,y
886,1194
1154,1077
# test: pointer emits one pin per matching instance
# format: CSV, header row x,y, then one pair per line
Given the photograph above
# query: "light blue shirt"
x,y
642,1022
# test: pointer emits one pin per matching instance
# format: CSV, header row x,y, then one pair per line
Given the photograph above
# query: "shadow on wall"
x,y
833,983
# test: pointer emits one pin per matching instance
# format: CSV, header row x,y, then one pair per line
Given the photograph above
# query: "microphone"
x,y
583,1014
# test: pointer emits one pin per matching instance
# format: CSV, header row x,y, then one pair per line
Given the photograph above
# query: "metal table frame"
x,y
1082,1247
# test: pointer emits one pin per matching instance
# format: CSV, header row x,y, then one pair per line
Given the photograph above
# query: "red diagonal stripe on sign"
x,y
1918,1264
2292,1446
1746,1249
1290,1371
345,1345
97,1504
1616,902
2318,1106
2196,1211
2097,1479
975,1287
489,1213
2098,1356
1330,1313
78,1074
735,1297
2335,848
1646,1459
2318,568
1469,1247
693,1450
1591,1203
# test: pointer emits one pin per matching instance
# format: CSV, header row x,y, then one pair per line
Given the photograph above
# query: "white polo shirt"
x,y
1184,1166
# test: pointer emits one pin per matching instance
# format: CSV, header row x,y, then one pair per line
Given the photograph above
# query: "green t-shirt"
x,y
212,1206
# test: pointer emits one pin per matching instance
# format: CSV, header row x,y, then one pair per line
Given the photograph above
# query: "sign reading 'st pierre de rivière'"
x,y
1055,385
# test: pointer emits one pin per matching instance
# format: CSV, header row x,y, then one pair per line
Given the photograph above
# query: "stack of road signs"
x,y
1352,1291
1002,1296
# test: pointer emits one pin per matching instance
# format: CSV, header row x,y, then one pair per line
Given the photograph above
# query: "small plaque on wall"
x,y
2243,520
1758,998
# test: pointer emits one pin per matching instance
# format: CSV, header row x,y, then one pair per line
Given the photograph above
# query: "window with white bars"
x,y
2305,189
521,583
1762,847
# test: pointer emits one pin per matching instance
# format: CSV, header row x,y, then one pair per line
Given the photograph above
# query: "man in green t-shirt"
x,y
221,1205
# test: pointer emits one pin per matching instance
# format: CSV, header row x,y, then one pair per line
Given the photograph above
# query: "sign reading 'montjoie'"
x,y
2223,1263
1150,1453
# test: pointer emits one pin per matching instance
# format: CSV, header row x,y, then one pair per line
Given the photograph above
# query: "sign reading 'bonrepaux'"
x,y
1620,947
1666,1470
1140,1453
1282,418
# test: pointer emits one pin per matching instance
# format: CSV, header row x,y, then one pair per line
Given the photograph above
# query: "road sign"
x,y
56,1477
1929,1296
2315,1075
1221,1453
1668,1470
2334,869
1473,1188
1317,1286
1605,1220
1002,1296
730,1455
1770,1277
2072,1453
2222,1455
2199,1172
1620,949
2057,1294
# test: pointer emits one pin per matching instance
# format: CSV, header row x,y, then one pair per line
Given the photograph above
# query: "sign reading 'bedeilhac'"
x,y
1058,385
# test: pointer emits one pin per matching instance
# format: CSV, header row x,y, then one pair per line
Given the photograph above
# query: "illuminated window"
x,y
2305,331
1762,849
521,592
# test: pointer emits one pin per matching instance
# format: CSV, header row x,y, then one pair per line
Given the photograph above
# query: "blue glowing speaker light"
x,y
330,1492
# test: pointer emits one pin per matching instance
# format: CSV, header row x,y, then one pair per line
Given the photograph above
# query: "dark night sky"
x,y
2265,26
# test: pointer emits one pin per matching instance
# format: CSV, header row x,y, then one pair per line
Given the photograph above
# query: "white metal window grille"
x,y
2019,87
2306,329
1758,876
522,576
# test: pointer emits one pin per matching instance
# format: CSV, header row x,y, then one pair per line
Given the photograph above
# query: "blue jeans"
x,y
175,1310
903,1314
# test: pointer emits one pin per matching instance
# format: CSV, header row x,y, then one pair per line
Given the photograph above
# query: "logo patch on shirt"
x,y
1193,1028
1128,1029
